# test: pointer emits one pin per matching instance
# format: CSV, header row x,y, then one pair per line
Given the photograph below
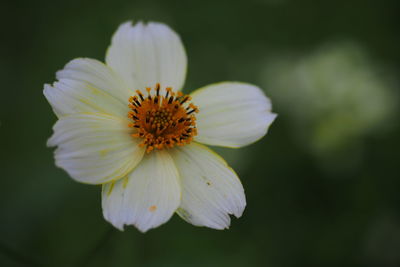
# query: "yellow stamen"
x,y
162,121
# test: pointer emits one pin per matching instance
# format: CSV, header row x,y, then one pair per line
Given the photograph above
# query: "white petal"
x,y
95,148
148,54
211,190
232,114
87,85
147,198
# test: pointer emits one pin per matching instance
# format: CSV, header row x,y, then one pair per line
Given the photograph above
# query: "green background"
x,y
300,212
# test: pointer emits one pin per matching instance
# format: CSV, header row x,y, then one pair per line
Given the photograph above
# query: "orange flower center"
x,y
162,121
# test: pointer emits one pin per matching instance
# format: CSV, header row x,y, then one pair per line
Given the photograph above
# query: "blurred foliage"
x,y
333,98
297,215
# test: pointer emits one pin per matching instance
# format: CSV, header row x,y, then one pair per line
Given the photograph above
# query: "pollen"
x,y
162,121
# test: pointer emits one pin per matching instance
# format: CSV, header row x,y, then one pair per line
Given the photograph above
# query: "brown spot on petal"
x,y
153,208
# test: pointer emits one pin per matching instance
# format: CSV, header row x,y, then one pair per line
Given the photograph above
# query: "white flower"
x,y
144,147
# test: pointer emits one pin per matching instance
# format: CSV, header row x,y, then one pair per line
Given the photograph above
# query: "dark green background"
x,y
298,213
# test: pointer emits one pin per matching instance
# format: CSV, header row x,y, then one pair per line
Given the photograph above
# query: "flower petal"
x,y
95,148
87,85
146,198
145,55
232,114
211,190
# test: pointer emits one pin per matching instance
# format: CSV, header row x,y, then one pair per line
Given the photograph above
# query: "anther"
x,y
140,95
148,89
168,89
136,101
158,89
185,99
